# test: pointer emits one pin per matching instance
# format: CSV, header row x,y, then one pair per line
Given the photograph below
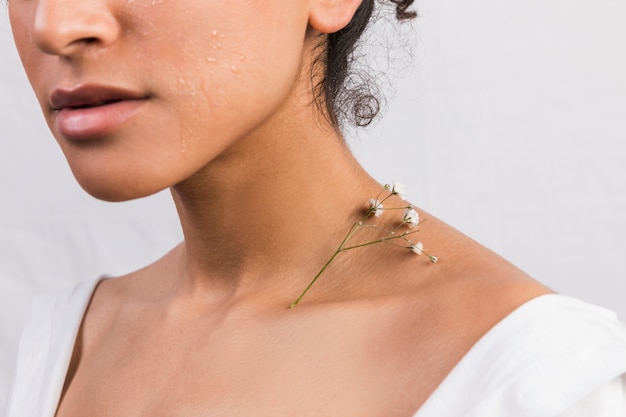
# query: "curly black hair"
x,y
355,103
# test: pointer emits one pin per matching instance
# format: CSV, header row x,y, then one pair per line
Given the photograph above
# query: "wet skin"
x,y
213,100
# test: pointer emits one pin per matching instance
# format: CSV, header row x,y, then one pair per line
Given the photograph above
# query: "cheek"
x,y
21,17
215,75
228,77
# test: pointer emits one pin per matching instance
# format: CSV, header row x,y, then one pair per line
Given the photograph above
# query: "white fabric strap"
x,y
45,351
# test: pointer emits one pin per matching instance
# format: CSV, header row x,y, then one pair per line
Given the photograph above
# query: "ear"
x,y
329,16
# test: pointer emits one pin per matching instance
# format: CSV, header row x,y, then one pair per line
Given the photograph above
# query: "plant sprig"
x,y
402,232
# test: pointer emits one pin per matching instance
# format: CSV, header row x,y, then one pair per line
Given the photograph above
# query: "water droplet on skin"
x,y
214,33
183,145
210,59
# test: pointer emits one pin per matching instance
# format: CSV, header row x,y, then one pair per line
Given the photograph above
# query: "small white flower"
x,y
411,217
398,189
376,207
418,248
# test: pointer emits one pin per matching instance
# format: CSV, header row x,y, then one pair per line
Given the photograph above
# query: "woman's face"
x,y
140,94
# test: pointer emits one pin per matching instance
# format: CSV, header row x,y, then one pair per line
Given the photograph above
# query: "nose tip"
x,y
66,27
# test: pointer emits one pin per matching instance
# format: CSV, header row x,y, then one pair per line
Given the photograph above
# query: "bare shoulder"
x,y
444,308
113,297
462,296
469,284
398,327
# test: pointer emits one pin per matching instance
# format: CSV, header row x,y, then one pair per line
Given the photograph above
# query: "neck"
x,y
264,217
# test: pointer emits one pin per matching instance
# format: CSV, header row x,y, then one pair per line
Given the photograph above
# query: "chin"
x,y
115,189
116,194
116,176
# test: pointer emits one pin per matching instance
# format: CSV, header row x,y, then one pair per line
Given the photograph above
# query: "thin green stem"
x,y
373,242
295,303
364,244
385,239
391,234
353,230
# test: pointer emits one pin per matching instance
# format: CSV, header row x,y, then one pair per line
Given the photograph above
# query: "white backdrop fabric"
x,y
511,126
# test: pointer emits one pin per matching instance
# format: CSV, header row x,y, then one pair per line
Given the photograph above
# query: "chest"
x,y
350,368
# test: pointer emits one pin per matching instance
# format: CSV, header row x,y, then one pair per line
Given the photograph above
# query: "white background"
x,y
510,127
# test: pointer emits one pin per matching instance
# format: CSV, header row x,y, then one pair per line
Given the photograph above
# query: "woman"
x,y
237,109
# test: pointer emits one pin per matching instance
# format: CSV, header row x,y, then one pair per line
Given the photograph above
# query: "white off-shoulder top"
x,y
554,356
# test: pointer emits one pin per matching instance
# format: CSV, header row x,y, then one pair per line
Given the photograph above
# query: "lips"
x,y
93,111
90,96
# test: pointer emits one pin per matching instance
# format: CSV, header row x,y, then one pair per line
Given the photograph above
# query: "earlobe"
x,y
329,16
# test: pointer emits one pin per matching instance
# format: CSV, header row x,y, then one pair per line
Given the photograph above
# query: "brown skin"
x,y
265,191
375,337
